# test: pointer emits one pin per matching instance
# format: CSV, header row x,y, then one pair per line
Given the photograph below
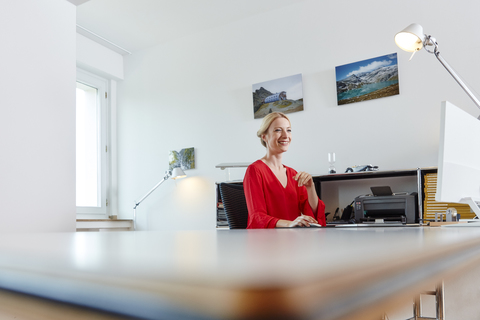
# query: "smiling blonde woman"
x,y
277,195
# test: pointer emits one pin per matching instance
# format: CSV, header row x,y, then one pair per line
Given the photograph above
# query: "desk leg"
x,y
439,304
440,299
417,307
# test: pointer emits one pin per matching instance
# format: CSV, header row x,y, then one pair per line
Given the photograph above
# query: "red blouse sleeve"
x,y
255,196
319,215
304,205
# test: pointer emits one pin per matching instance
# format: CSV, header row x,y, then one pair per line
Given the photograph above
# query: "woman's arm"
x,y
316,205
305,179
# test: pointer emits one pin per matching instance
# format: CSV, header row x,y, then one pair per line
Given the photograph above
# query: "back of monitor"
x,y
458,157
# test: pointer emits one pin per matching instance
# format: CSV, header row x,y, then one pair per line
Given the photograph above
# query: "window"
x,y
91,144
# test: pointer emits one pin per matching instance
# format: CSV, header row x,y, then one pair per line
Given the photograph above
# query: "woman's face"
x,y
278,136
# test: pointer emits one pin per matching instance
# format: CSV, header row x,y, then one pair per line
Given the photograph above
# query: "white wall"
x,y
206,79
37,116
93,57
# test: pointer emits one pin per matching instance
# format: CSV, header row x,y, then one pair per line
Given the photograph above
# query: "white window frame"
x,y
102,86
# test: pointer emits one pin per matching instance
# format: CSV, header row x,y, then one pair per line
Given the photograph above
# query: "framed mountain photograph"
x,y
367,79
283,94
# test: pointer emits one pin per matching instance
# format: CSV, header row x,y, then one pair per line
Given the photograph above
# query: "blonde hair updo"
x,y
267,121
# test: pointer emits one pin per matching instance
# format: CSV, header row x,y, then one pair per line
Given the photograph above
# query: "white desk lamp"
x,y
176,173
412,39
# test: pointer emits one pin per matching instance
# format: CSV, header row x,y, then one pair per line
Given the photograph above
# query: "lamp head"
x,y
177,173
411,38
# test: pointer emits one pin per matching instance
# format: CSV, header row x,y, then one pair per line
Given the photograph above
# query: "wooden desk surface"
x,y
328,273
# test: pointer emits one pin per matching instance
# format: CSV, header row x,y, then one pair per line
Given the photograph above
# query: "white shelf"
x,y
222,166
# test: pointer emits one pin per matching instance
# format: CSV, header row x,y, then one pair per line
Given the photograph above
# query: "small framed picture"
x,y
184,158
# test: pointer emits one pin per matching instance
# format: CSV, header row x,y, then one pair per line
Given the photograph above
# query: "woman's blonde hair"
x,y
267,121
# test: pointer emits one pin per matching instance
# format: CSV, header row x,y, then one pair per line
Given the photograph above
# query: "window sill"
x,y
104,225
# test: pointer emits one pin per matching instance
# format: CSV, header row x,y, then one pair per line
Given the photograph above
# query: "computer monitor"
x,y
458,158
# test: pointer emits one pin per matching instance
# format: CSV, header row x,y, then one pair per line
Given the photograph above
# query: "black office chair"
x,y
235,205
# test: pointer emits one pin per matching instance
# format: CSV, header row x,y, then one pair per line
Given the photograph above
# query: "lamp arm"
x,y
431,41
137,203
167,175
459,81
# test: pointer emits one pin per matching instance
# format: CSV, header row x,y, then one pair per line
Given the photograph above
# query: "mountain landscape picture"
x,y
367,79
283,95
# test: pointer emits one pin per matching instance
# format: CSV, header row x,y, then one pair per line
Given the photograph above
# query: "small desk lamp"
x,y
412,39
176,173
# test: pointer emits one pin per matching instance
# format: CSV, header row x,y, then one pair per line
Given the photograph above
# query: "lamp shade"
x,y
411,38
177,173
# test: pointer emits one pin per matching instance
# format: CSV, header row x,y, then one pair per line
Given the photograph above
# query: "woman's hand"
x,y
304,179
300,221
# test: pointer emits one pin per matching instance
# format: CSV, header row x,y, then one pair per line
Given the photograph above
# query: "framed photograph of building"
x,y
367,79
283,95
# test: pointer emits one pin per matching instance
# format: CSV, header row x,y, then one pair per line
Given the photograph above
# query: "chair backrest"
x,y
235,205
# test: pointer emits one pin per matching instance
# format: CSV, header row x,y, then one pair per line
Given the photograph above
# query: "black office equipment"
x,y
346,218
381,191
392,208
348,212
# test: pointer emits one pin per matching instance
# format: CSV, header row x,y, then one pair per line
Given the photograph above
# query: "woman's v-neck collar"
x,y
276,178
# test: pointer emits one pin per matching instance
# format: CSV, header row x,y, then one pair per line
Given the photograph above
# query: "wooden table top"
x,y
321,273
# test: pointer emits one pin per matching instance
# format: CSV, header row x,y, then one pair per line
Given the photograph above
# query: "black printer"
x,y
386,207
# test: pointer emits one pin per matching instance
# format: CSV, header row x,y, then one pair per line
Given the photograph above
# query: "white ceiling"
x,y
138,24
